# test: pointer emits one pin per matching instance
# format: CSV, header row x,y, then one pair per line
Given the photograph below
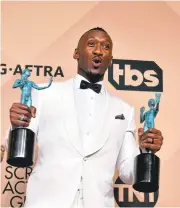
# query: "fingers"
x,y
153,130
151,139
17,110
153,147
15,120
2,152
2,148
140,131
33,111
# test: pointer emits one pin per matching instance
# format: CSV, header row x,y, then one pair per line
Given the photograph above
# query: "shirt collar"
x,y
77,81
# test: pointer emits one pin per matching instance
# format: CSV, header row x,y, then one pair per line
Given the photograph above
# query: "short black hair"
x,y
95,28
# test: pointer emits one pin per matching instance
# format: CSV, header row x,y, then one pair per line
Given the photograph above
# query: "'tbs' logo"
x,y
135,75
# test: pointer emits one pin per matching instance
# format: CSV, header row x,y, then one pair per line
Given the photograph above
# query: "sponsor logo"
x,y
126,196
135,75
16,190
37,70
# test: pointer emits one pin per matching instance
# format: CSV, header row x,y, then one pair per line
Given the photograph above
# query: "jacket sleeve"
x,y
128,151
34,124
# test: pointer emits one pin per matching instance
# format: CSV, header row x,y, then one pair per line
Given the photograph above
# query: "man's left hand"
x,y
152,139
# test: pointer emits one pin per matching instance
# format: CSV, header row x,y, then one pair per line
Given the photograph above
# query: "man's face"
x,y
94,52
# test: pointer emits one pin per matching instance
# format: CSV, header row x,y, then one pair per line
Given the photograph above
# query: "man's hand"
x,y
2,152
20,114
152,139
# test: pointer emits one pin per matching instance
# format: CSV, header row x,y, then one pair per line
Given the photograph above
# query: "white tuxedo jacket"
x,y
62,160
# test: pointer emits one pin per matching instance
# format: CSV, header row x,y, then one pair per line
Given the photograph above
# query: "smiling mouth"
x,y
97,62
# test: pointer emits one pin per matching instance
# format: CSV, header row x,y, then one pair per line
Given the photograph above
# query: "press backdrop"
x,y
44,35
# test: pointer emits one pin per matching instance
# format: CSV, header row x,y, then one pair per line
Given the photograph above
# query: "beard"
x,y
92,77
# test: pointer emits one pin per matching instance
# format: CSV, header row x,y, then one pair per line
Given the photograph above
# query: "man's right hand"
x,y
18,111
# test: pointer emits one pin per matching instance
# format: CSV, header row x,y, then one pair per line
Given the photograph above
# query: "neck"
x,y
93,78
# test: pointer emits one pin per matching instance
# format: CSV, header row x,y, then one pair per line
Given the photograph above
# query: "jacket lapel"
x,y
98,139
70,117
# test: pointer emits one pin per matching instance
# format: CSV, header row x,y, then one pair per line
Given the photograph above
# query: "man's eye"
x,y
106,46
91,43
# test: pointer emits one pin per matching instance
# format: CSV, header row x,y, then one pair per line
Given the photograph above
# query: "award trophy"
x,y
147,165
21,139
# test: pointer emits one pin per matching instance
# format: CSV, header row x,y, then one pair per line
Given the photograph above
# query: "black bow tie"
x,y
95,87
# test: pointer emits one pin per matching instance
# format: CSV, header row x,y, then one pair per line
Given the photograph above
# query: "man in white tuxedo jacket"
x,y
83,133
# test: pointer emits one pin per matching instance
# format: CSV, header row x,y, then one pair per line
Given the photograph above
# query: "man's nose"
x,y
98,50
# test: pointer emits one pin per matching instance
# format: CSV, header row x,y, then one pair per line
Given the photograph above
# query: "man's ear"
x,y
110,63
76,54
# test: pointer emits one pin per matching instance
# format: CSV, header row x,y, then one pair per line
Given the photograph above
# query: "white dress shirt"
x,y
90,107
